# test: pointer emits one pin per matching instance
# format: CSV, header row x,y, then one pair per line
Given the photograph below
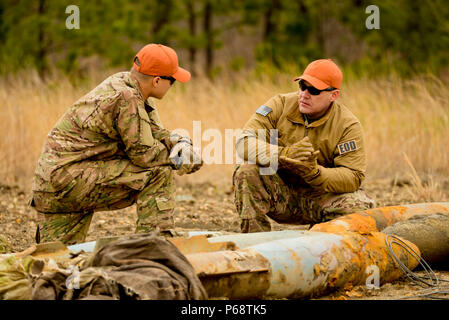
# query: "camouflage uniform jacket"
x,y
338,134
112,122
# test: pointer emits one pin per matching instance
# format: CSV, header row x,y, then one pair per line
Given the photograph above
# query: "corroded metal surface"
x,y
378,219
243,240
310,265
237,274
293,263
55,250
205,241
200,243
430,233
300,264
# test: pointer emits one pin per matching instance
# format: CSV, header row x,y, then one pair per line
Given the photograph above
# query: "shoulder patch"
x,y
263,110
347,146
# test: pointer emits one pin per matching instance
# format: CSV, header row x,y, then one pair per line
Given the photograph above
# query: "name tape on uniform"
x,y
264,110
347,146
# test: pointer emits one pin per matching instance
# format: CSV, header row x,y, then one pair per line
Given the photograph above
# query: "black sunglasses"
x,y
172,80
312,90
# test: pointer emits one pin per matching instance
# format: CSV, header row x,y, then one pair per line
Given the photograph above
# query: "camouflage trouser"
x,y
66,214
258,196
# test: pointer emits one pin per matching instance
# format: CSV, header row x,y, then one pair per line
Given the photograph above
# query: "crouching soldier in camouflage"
x,y
109,151
320,156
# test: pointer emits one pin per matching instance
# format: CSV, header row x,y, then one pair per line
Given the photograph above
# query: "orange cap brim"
x,y
182,75
317,83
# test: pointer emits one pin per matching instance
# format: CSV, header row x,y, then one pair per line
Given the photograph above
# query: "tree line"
x,y
413,36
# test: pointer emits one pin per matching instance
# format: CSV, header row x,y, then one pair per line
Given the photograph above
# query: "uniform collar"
x,y
293,113
295,116
132,82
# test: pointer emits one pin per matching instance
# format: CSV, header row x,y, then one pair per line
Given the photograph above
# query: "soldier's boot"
x,y
262,224
257,197
69,228
156,203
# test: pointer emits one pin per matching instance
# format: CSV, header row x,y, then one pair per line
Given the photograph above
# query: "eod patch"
x,y
347,146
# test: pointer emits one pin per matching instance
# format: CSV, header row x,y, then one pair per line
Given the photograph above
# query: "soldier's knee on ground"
x,y
69,228
347,204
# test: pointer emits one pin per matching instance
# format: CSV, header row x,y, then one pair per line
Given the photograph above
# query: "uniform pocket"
x,y
60,179
164,203
146,137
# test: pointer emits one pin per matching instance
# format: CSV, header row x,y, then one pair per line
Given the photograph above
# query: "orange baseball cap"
x,y
322,74
160,60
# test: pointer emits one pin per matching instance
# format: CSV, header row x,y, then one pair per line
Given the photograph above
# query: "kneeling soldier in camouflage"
x,y
109,151
320,156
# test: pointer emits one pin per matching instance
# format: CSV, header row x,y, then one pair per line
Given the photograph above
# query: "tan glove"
x,y
305,167
298,150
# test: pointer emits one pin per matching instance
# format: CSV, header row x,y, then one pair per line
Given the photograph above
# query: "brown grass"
x,y
422,190
399,117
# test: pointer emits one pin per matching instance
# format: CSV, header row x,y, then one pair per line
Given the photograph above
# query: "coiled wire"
x,y
430,281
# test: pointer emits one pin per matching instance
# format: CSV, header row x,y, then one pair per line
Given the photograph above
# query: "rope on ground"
x,y
430,281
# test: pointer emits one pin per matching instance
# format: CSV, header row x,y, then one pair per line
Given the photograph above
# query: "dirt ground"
x,y
205,206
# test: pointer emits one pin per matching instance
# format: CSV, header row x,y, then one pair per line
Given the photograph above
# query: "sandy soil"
x,y
204,206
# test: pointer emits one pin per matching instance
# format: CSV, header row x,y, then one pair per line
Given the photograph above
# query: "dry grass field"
x,y
406,122
406,125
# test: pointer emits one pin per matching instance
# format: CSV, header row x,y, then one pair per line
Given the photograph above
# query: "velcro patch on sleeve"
x,y
347,146
263,110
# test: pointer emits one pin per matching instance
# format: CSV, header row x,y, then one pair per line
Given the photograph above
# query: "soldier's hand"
x,y
302,149
304,166
184,158
173,139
